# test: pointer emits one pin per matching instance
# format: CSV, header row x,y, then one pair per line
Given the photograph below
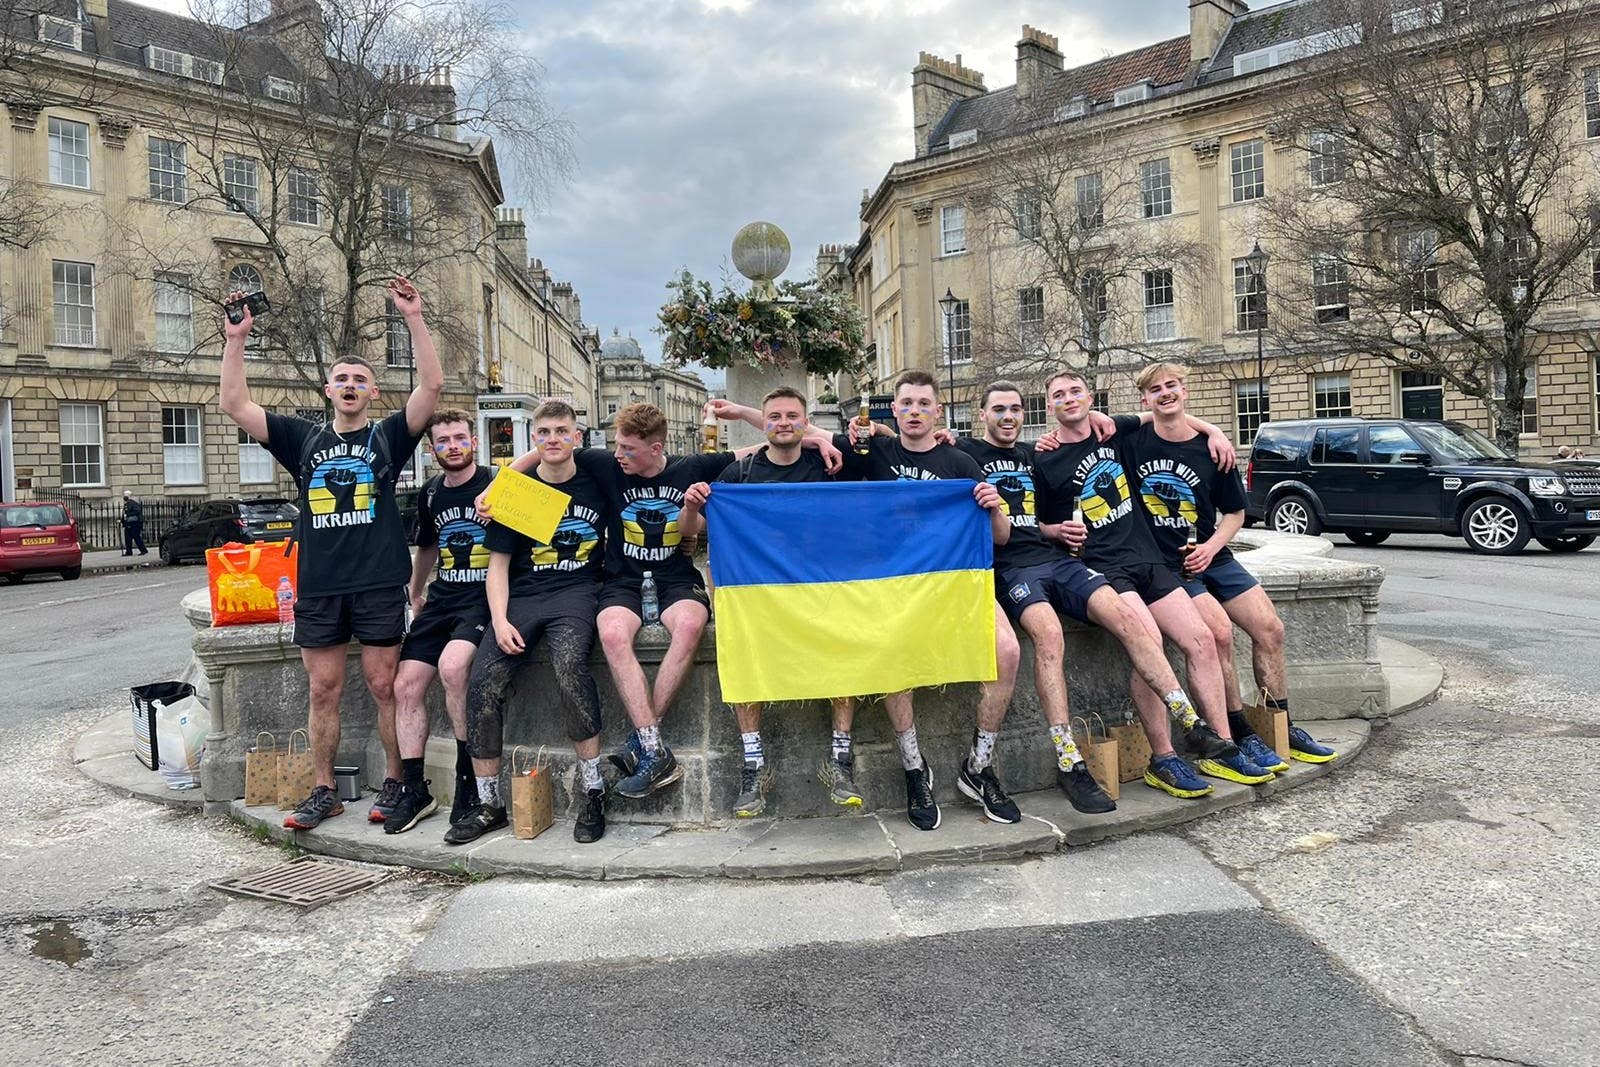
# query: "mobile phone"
x,y
257,302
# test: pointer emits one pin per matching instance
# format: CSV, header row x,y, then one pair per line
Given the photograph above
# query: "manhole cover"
x,y
306,882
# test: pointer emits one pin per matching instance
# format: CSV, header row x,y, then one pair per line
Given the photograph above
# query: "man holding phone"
x,y
353,565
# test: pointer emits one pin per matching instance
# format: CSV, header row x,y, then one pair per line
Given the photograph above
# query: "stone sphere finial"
x,y
761,253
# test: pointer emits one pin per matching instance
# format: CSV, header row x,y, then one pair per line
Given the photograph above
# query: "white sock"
x,y
1181,708
842,746
752,748
650,738
910,754
489,790
589,769
982,750
1067,754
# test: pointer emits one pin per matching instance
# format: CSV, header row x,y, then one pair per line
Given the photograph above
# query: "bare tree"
x,y
1443,210
1072,221
350,166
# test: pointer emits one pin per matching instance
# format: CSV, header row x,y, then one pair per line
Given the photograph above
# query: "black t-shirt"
x,y
1010,471
1095,476
1179,483
891,461
351,538
643,533
757,468
573,555
447,519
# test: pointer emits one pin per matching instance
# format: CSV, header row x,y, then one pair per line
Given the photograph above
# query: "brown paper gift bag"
x,y
1269,723
533,806
297,774
1099,755
261,772
1133,748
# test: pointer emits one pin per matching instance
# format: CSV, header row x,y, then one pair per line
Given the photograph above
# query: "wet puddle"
x,y
58,941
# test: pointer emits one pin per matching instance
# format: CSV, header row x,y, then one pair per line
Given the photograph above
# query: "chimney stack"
x,y
1209,21
1038,55
511,233
936,84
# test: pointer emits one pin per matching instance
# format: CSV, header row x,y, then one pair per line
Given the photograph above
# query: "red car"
x,y
36,538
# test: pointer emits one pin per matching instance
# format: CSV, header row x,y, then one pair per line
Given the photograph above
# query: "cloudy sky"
x,y
694,117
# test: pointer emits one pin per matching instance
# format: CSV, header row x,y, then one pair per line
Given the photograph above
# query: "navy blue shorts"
x,y
1066,584
1222,580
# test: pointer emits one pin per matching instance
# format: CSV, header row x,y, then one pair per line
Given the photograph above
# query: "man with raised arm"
x,y
353,564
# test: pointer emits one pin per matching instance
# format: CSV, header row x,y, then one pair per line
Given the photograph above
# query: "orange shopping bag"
x,y
244,580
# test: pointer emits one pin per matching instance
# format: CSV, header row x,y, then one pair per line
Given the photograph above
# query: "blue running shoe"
x,y
1261,754
655,770
1307,749
1172,774
1235,768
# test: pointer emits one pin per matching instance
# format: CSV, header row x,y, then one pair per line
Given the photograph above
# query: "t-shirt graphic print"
x,y
342,489
1104,494
1167,490
650,522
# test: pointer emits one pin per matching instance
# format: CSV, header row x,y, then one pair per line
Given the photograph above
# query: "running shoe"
x,y
840,778
753,785
1083,792
1307,749
1236,768
655,770
921,808
388,797
1206,743
591,824
1261,754
466,798
985,788
413,806
323,803
1172,774
480,821
625,758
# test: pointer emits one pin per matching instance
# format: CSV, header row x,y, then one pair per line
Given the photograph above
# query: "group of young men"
x,y
618,560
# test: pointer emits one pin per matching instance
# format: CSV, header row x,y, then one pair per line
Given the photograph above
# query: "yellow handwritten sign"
x,y
527,505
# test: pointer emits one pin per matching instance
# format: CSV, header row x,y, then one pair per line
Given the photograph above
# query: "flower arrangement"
x,y
819,330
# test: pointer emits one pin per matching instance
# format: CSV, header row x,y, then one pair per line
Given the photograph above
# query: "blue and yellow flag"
x,y
828,590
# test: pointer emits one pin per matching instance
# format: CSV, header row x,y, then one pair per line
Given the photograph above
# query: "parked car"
x,y
39,537
1369,478
214,523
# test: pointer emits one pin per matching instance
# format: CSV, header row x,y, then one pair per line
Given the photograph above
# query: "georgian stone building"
x,y
109,362
1190,116
626,377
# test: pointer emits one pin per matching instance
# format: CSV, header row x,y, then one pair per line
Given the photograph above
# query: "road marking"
x,y
92,596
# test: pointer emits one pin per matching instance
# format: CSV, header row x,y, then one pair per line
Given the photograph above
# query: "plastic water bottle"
x,y
285,601
650,603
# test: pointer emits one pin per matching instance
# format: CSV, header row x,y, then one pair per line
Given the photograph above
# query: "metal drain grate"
x,y
306,882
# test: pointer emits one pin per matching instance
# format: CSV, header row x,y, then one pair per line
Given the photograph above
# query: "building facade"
x,y
1189,120
133,129
626,377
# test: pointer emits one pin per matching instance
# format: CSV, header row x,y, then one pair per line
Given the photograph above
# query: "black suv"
x,y
214,523
1368,478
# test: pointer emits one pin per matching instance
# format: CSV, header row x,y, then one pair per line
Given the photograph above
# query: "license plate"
x,y
280,525
38,540
1592,515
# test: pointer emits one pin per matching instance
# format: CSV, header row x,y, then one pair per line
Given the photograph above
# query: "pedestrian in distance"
x,y
132,524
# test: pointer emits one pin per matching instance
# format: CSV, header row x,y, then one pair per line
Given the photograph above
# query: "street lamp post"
x,y
948,304
1256,262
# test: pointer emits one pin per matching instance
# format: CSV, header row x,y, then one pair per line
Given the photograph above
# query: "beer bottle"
x,y
1077,516
708,432
1190,543
864,430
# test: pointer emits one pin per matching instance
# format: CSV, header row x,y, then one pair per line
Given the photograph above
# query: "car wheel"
x,y
1495,526
1293,513
1575,543
72,574
218,540
168,556
1367,538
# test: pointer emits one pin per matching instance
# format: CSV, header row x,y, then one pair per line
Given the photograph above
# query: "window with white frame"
x,y
1518,252
1289,51
1330,288
397,212
241,183
1030,213
174,307
1094,327
1249,298
1247,163
73,296
1102,400
1505,120
963,138
1328,163
243,278
1075,108
1132,94
169,174
82,445
1406,19
1155,188
1597,392
1091,208
69,153
958,333
276,88
1419,258
1030,317
168,61
1591,102
64,32
1594,262
396,338
1160,321
305,203
255,462
959,416
1530,395
1251,404
1330,396
1035,410
952,230
181,446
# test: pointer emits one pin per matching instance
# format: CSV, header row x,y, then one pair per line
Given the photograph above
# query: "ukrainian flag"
x,y
829,590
